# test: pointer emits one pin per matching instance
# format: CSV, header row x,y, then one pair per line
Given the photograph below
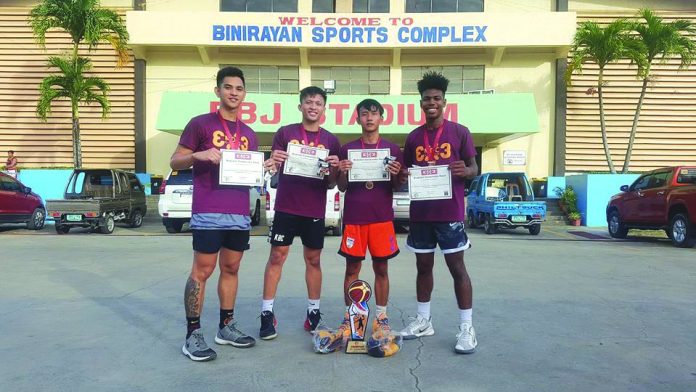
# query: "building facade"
x,y
505,60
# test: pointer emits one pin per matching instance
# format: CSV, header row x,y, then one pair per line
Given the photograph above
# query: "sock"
x,y
312,304
267,305
226,316
465,315
381,310
424,309
192,324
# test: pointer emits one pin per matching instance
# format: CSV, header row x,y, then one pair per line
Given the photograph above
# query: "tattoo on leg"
x,y
192,298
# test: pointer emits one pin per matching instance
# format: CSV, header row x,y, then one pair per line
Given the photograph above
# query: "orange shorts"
x,y
378,237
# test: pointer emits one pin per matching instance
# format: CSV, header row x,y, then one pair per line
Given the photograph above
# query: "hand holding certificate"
x,y
306,161
368,165
243,168
429,183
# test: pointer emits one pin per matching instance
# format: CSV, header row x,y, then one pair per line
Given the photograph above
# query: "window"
x,y
258,5
444,5
659,179
687,176
324,6
641,183
10,185
270,79
463,78
371,6
354,80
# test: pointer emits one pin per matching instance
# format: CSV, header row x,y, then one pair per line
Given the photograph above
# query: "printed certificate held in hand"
x,y
306,161
243,168
429,183
368,165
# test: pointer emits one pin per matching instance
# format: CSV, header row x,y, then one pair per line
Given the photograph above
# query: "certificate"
x,y
306,161
243,168
429,183
368,165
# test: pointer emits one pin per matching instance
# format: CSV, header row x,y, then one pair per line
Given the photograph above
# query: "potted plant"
x,y
574,218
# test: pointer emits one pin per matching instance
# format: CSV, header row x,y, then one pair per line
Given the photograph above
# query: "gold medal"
x,y
369,185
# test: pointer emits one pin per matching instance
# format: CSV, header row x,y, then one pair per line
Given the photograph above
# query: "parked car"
x,y
176,198
401,203
18,204
333,221
661,199
504,201
98,198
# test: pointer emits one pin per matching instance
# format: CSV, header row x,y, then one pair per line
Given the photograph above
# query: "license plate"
x,y
519,218
73,218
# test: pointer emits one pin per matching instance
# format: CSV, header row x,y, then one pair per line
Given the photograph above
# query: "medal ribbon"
x,y
363,144
304,136
430,150
233,142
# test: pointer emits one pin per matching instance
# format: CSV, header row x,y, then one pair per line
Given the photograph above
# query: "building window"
x,y
354,80
324,6
463,78
269,79
371,6
444,5
258,5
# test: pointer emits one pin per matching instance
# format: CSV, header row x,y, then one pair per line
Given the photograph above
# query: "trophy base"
x,y
356,347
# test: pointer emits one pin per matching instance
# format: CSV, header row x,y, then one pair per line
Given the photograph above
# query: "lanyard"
x,y
234,142
304,136
363,144
430,150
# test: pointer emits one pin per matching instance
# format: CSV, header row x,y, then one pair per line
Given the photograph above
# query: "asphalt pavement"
x,y
561,311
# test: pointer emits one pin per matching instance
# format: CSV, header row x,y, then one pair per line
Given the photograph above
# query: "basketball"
x,y
359,291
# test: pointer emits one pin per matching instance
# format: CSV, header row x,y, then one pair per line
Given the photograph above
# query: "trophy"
x,y
359,292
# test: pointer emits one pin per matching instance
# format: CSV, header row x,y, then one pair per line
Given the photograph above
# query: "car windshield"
x,y
687,176
180,177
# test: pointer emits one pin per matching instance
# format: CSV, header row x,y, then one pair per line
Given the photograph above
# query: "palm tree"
x,y
661,40
75,86
89,25
603,45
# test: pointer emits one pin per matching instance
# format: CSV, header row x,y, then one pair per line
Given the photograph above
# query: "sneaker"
x,y
229,334
466,339
417,328
380,327
313,319
196,348
345,326
268,324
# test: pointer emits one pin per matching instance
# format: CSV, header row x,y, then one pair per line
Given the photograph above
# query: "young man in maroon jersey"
x,y
440,222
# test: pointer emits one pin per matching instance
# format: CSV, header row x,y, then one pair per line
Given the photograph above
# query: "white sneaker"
x,y
420,326
466,339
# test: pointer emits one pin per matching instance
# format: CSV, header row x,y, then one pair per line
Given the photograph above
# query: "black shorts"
x,y
210,241
286,226
424,237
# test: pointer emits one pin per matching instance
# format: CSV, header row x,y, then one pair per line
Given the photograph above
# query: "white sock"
x,y
424,309
465,316
267,305
313,304
381,310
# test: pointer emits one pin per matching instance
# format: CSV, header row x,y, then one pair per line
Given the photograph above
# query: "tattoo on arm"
x,y
192,298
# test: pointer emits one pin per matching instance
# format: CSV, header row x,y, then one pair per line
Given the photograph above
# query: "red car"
x,y
18,204
661,199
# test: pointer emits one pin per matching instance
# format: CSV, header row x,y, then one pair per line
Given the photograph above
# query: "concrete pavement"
x,y
90,312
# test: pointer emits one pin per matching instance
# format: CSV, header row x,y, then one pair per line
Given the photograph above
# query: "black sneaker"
x,y
268,324
313,319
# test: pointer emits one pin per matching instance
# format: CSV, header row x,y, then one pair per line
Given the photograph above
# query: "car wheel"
x,y
38,218
108,226
488,226
535,229
256,218
174,227
471,220
137,219
60,229
683,235
616,228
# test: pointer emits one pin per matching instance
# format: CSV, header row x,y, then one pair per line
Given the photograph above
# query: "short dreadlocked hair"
x,y
433,80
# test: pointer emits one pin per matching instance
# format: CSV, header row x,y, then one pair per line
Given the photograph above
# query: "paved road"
x,y
87,312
